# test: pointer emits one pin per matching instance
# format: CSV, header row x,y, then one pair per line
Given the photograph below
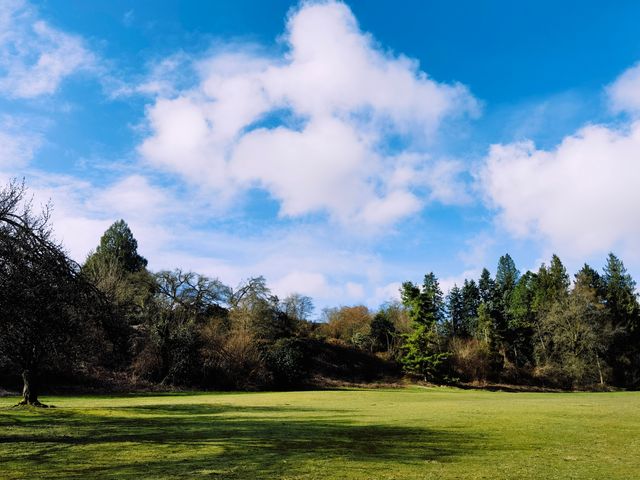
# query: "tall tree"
x,y
119,272
507,274
49,313
456,313
577,338
119,243
624,318
470,305
521,320
486,287
423,352
426,304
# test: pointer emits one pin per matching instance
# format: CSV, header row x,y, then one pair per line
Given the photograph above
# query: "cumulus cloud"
x,y
624,92
581,196
34,56
311,261
314,127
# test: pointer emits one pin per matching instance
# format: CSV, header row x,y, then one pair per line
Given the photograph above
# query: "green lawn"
x,y
370,434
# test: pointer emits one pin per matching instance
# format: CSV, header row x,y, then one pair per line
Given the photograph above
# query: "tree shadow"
x,y
225,441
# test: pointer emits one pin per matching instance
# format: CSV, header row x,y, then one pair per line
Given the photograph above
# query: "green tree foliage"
x,y
577,338
119,244
623,314
522,320
423,350
382,332
423,353
470,305
507,274
456,325
119,272
425,305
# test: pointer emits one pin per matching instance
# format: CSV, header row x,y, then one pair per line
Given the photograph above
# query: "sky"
x,y
336,148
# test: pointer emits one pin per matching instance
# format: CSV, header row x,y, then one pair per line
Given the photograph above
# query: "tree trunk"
x,y
29,392
599,370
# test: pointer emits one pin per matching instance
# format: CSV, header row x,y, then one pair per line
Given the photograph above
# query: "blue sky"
x,y
338,149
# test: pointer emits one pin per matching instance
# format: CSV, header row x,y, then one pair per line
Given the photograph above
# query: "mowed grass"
x,y
438,433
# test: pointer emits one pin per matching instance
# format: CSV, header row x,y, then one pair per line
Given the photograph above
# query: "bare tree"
x,y
48,311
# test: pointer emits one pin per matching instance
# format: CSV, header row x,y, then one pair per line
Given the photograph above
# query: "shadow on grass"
x,y
225,441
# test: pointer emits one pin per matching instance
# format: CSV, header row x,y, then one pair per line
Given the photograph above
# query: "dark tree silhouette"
x,y
48,312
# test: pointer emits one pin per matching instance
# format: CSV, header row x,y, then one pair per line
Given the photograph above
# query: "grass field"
x,y
405,433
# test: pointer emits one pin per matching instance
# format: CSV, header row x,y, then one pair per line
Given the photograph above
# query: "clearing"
x,y
409,433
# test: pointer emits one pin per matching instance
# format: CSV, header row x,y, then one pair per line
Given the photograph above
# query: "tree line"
x,y
537,327
112,316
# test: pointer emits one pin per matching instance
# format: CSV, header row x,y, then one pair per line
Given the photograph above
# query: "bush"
x,y
286,360
470,359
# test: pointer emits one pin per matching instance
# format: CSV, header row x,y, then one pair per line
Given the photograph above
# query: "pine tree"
x,y
470,305
422,351
119,244
455,310
623,312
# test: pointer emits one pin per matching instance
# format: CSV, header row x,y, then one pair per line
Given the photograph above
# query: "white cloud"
x,y
582,196
35,57
387,293
17,146
328,266
312,126
579,198
624,92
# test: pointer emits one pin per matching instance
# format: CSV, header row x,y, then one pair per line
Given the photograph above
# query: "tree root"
x,y
36,404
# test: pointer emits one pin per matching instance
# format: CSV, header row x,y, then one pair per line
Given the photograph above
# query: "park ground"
x,y
407,433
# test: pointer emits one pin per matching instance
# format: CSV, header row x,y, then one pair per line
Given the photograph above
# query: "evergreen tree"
x,y
486,287
422,351
588,277
507,274
425,305
623,313
119,272
455,310
522,320
119,244
470,305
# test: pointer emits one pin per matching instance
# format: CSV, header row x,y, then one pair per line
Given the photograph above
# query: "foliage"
x,y
118,244
470,359
287,362
345,323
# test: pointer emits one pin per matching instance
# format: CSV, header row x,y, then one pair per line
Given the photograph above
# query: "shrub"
x,y
470,359
286,360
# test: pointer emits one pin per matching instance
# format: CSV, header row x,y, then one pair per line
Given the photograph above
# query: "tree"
x,y
577,338
423,352
521,320
348,324
470,305
456,311
552,285
486,287
382,331
588,277
623,314
49,313
507,274
183,302
425,305
119,243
